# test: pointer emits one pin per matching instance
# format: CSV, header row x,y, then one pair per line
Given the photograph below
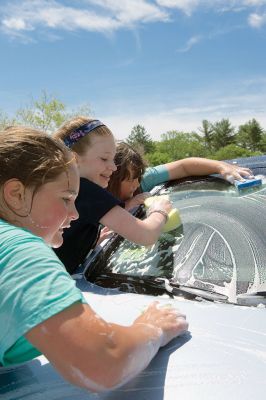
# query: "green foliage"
x,y
217,140
140,139
180,145
262,144
233,151
46,113
250,135
5,120
157,158
207,130
223,134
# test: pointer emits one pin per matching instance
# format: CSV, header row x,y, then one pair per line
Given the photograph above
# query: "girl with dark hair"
x,y
132,177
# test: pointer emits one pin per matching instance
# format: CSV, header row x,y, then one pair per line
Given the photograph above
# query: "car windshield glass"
x,y
219,248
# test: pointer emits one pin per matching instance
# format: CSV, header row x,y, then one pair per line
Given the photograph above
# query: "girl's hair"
x,y
31,156
75,124
130,165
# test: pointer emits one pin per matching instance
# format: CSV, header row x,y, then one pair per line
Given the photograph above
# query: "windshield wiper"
x,y
191,292
252,299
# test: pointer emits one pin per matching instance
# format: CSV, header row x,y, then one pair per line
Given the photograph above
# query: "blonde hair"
x,y
84,142
31,156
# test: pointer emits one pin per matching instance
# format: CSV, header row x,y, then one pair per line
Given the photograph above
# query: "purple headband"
x,y
81,132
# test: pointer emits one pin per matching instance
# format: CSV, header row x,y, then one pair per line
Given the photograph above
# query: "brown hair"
x,y
74,124
31,156
130,165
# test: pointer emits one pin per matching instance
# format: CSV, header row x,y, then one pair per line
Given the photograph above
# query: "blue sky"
x,y
165,64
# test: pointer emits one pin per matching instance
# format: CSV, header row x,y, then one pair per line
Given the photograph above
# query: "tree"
x,y
157,157
249,135
47,113
5,120
207,130
262,144
140,140
233,151
223,134
180,145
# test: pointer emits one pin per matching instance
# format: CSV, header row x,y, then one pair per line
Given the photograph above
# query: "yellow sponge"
x,y
148,202
174,219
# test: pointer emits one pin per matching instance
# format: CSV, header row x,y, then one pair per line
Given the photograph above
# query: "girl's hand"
x,y
136,200
231,172
105,234
169,321
160,203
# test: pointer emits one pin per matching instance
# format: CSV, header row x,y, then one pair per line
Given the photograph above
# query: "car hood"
x,y
222,356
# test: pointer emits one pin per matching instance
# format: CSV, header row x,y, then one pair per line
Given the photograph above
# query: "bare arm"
x,y
144,232
96,355
203,166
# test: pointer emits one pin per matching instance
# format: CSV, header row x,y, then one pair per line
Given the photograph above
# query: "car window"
x,y
220,247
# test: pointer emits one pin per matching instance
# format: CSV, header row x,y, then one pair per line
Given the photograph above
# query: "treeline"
x,y
219,140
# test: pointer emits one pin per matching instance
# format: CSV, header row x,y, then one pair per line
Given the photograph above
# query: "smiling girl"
x,y
94,146
42,311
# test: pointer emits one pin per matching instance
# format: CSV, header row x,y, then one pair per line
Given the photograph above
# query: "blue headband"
x,y
81,132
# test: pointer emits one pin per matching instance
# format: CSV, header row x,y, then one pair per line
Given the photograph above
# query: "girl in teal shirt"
x,y
41,310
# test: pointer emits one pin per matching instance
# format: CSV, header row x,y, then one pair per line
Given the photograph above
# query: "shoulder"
x,y
13,236
154,176
92,195
90,189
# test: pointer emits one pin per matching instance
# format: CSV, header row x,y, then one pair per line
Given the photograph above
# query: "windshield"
x,y
220,246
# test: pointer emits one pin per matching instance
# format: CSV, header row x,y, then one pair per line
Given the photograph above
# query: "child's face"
x,y
97,163
128,187
53,207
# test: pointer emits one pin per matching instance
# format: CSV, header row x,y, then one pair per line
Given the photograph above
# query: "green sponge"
x,y
174,219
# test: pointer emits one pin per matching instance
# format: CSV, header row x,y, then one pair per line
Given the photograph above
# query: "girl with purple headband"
x,y
94,146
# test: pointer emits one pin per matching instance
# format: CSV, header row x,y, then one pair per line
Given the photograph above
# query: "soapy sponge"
x,y
174,219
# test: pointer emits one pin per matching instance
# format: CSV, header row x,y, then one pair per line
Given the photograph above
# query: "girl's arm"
x,y
203,166
96,355
144,232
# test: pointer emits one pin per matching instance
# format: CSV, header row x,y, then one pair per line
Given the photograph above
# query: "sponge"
x,y
240,185
174,219
173,222
148,202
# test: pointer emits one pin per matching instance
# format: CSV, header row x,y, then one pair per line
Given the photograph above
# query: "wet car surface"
x,y
213,268
219,249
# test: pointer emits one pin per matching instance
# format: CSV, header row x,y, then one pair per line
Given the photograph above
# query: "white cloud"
x,y
131,11
254,2
190,43
108,15
187,6
16,24
256,20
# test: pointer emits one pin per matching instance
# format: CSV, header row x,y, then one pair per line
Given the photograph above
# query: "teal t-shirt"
x,y
34,286
154,176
